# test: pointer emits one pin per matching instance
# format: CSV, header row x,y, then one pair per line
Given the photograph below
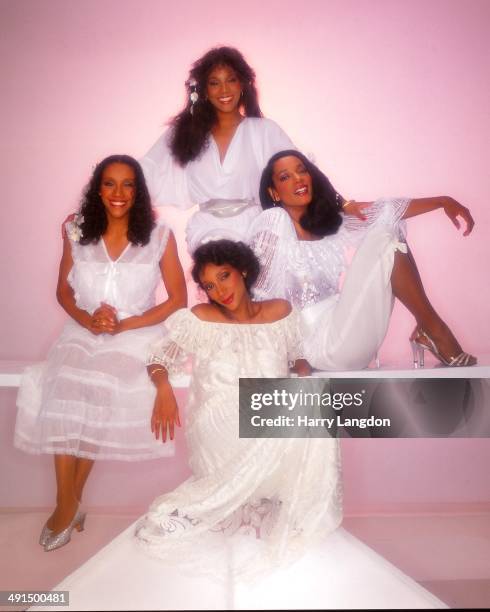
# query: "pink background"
x,y
391,97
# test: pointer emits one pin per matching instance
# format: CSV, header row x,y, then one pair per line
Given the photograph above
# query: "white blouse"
x,y
305,272
237,177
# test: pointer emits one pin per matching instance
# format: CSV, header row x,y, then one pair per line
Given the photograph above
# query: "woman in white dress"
x,y
215,150
252,504
301,240
92,399
283,492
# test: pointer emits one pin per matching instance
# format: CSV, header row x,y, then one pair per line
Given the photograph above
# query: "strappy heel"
x,y
420,341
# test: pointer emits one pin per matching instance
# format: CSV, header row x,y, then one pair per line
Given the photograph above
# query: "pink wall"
x,y
390,96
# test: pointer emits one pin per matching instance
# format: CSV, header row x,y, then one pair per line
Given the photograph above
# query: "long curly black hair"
x,y
322,217
141,218
191,130
220,252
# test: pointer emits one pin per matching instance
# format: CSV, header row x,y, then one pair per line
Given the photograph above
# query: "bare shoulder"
x,y
276,309
207,312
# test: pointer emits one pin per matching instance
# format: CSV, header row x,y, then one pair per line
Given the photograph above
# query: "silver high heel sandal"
x,y
57,540
421,341
46,533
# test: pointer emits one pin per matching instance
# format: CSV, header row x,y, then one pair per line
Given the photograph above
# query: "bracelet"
x,y
346,203
157,370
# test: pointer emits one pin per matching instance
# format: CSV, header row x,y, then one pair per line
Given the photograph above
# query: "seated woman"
x,y
285,492
92,399
301,240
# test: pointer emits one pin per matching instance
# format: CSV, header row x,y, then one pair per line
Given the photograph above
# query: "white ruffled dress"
x,y
284,493
92,397
342,327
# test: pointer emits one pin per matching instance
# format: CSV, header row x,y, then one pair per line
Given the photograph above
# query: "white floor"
x,y
341,573
445,549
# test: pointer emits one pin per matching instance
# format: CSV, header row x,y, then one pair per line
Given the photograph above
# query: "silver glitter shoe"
x,y
46,533
57,540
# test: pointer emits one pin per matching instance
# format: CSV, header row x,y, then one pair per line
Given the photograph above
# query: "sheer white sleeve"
x,y
383,212
266,237
166,179
173,350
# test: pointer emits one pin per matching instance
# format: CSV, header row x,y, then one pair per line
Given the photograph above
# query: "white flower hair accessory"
x,y
73,228
193,96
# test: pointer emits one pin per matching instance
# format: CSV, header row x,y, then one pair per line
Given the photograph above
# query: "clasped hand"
x,y
104,320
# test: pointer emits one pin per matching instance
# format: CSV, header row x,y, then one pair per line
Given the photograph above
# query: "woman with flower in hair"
x,y
92,399
215,149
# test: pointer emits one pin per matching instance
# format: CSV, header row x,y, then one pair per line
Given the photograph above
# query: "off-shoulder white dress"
x,y
251,506
227,191
342,327
284,492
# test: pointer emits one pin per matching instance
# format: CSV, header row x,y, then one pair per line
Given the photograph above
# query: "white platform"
x,y
339,573
11,373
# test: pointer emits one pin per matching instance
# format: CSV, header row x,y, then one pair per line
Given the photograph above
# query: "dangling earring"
x,y
244,274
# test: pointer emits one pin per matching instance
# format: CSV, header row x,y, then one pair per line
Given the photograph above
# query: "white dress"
x,y
284,492
229,188
92,397
342,328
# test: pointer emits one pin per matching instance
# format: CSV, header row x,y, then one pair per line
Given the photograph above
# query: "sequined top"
x,y
308,271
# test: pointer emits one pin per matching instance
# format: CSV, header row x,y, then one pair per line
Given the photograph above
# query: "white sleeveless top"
x,y
128,283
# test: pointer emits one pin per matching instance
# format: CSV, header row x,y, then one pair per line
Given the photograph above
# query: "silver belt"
x,y
225,208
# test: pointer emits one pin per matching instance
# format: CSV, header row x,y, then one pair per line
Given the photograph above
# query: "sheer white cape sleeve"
x,y
269,236
387,212
166,179
182,340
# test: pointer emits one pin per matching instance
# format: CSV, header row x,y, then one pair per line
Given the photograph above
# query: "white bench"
x,y
11,373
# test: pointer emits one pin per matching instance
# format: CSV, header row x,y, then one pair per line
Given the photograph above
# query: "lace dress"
x,y
342,328
226,191
92,397
283,492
